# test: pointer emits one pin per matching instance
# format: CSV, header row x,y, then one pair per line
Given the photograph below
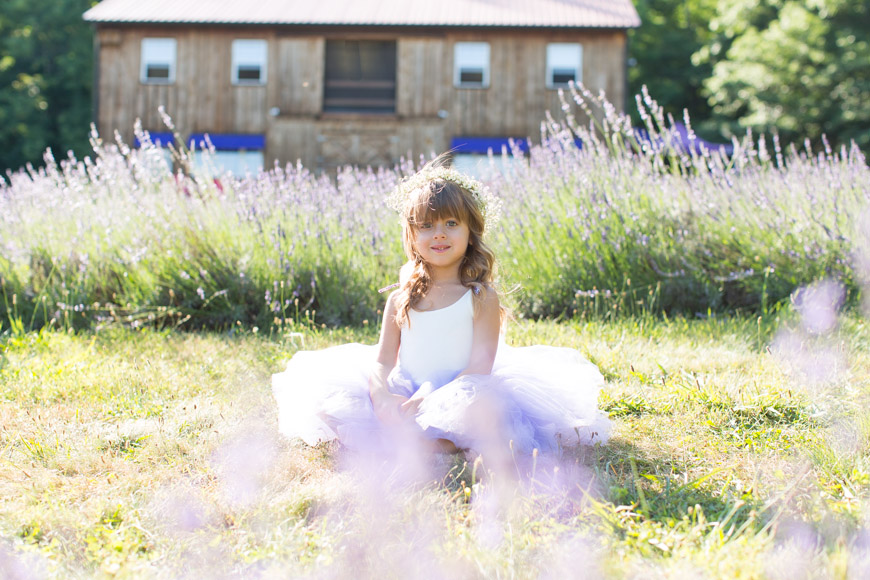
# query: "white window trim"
x,y
564,55
253,51
158,51
468,55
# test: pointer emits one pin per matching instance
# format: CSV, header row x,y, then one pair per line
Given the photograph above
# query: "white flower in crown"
x,y
488,204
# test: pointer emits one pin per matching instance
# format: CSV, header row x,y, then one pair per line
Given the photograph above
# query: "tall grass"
x,y
624,224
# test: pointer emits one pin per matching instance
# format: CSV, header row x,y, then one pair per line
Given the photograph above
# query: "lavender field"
x,y
622,225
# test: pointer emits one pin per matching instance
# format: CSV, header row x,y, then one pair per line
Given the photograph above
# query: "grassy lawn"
x,y
736,452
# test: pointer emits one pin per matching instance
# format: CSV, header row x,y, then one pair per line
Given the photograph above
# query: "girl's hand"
x,y
389,408
409,407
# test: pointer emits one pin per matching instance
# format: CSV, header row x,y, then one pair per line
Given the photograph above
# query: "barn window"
x,y
360,76
158,61
249,62
471,65
564,64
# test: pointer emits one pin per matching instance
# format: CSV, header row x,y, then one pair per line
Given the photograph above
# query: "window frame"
x,y
471,55
243,54
556,61
158,51
368,101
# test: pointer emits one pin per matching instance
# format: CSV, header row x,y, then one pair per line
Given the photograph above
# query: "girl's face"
x,y
442,242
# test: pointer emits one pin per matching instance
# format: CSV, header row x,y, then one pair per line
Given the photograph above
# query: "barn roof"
x,y
423,13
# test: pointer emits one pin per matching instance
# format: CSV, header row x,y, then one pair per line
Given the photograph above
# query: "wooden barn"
x,y
335,82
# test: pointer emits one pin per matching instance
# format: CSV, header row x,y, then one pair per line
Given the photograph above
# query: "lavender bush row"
x,y
633,222
623,224
120,237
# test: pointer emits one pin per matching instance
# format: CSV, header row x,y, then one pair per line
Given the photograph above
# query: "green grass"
x,y
145,454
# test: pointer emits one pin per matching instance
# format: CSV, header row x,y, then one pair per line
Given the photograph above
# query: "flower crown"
x,y
487,203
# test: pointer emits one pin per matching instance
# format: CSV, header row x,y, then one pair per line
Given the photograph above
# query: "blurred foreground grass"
x,y
740,449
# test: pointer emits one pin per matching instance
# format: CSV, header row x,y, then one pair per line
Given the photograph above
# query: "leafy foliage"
x,y
795,67
661,50
46,63
799,68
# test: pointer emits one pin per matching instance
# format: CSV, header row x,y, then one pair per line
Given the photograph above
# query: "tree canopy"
x,y
796,67
801,68
660,54
46,64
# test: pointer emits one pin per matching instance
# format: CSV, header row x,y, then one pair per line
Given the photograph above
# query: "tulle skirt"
x,y
537,397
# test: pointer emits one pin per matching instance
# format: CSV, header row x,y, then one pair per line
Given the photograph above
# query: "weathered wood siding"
x,y
202,99
422,87
429,109
297,88
333,141
517,99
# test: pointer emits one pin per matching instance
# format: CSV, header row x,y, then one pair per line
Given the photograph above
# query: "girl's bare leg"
x,y
446,446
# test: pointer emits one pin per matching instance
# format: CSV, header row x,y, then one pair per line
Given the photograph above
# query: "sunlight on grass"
x,y
131,453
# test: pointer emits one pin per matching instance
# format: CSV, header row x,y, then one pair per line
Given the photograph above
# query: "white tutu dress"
x,y
537,397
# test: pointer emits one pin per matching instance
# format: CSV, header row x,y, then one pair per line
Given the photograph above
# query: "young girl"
x,y
440,372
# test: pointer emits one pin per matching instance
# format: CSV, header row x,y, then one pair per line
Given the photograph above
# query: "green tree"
x,y
46,64
801,68
660,54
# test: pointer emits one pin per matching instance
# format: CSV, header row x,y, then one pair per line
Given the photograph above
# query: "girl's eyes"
x,y
449,223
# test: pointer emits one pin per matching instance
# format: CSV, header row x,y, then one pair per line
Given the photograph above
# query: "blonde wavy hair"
x,y
439,199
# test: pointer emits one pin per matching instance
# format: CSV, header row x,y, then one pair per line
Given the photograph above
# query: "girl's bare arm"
x,y
386,404
487,322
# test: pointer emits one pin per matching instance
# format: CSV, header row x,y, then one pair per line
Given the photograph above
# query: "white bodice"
x,y
437,345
